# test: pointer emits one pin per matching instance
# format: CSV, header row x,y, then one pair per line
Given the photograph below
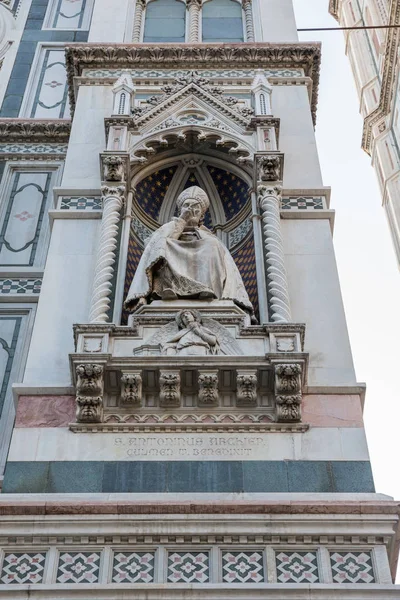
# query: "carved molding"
x,y
32,131
170,389
102,286
246,392
389,77
334,8
131,389
208,388
185,56
288,392
89,393
137,25
247,6
269,199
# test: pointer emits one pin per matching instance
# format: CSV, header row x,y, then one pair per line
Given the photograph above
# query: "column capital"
x,y
265,192
112,192
190,3
246,3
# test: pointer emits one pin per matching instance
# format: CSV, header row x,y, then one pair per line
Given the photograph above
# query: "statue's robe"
x,y
192,267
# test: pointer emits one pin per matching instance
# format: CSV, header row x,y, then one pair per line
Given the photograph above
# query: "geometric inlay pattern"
x,y
23,568
133,567
302,203
352,567
78,567
33,148
20,286
242,567
80,203
188,567
297,567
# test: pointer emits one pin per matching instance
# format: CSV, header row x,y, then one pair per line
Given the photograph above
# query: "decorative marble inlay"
x,y
78,567
238,234
33,148
297,567
20,286
352,567
22,568
188,567
142,232
242,567
133,567
302,203
80,203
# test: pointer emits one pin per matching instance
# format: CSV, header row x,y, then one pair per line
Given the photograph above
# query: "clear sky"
x,y
368,271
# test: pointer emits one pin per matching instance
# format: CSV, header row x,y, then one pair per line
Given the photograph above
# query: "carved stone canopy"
x,y
172,56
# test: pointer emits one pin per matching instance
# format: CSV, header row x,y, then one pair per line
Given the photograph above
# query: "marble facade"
x,y
220,454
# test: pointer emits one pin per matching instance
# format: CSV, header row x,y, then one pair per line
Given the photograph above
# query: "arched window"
x,y
222,21
165,21
121,107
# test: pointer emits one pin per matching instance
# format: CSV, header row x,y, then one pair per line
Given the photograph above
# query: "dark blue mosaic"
x,y
233,191
150,192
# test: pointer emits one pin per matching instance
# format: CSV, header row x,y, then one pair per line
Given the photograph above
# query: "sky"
x,y
369,276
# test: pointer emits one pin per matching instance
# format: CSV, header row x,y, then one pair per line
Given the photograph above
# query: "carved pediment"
x,y
227,108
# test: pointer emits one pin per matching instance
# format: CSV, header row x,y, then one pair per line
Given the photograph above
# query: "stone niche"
x,y
161,369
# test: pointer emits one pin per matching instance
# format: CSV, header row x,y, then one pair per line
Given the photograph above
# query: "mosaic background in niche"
x,y
135,251
232,190
150,191
245,259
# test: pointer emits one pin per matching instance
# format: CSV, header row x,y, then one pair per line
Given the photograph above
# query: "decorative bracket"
x,y
115,167
89,393
131,389
288,392
268,167
246,392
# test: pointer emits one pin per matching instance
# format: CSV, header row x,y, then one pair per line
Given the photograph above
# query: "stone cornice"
x,y
388,77
195,56
34,131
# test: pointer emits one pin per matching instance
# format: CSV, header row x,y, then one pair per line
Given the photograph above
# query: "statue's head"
x,y
193,204
185,317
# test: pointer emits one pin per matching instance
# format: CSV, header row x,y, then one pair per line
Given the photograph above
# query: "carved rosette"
x,y
288,392
246,388
208,388
131,389
248,15
269,199
89,393
113,198
114,167
137,25
170,389
194,8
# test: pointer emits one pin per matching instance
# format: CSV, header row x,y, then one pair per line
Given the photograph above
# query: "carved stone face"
x,y
187,318
191,211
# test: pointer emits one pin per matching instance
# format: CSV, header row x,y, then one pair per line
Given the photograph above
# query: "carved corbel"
x,y
268,168
131,389
246,388
288,392
89,393
208,388
115,167
170,389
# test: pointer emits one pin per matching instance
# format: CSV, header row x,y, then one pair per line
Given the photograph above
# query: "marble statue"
x,y
192,334
183,259
192,338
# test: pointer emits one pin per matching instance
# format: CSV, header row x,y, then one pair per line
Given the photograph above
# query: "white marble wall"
x,y
112,24
316,300
277,21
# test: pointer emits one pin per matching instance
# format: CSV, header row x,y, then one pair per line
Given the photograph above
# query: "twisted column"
x,y
113,198
137,24
248,14
194,8
269,199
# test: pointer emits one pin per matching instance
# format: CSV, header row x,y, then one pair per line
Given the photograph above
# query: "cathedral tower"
x,y
188,420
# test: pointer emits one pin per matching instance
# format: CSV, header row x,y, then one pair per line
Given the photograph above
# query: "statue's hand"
x,y
180,225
